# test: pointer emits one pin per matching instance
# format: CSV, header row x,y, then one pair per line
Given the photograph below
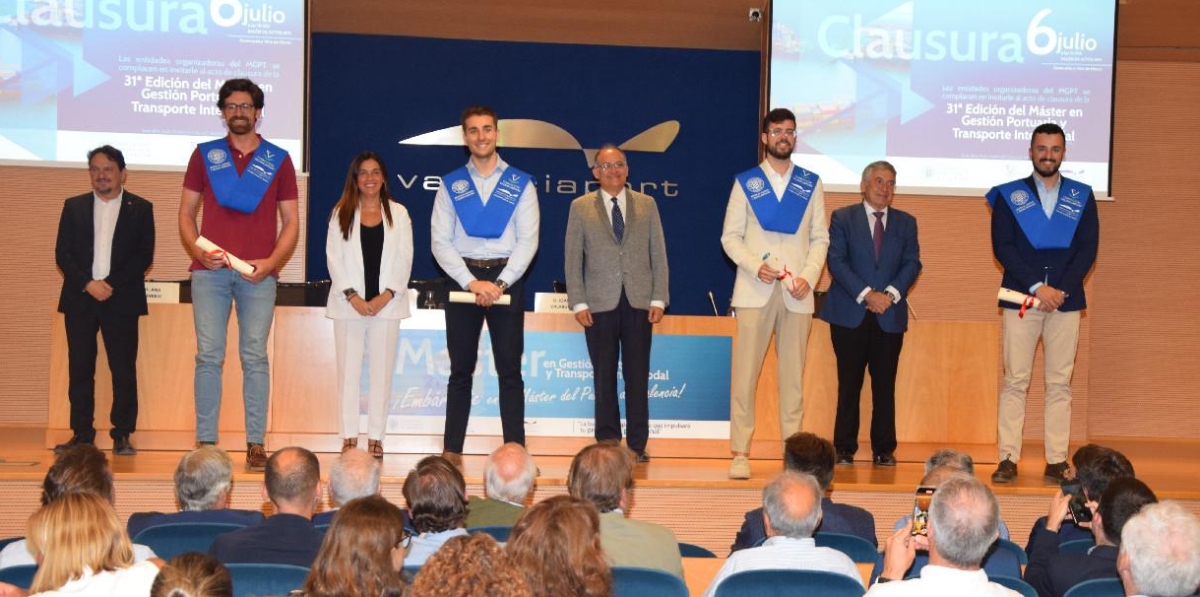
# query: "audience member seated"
x,y
963,523
355,474
791,513
814,455
602,474
82,550
362,553
1160,552
556,544
293,485
193,575
436,496
203,485
83,468
1093,466
508,480
951,460
470,566
1052,573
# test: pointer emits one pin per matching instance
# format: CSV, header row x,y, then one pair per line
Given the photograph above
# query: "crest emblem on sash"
x,y
217,156
459,187
755,184
1020,198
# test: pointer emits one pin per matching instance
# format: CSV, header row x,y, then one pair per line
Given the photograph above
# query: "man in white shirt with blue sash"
x,y
1045,233
484,235
775,233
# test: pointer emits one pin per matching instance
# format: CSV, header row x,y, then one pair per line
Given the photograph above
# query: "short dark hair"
x,y
777,116
810,453
246,85
111,153
1098,467
83,468
1123,498
292,474
478,110
599,473
1047,128
436,495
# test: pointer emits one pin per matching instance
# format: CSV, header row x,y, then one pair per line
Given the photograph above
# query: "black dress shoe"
x,y
885,460
71,443
122,447
845,458
1006,472
642,457
1057,472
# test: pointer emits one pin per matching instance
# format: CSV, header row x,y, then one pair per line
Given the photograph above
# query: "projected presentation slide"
x,y
948,91
143,75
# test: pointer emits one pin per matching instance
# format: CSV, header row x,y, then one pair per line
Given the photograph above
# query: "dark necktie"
x,y
618,221
877,235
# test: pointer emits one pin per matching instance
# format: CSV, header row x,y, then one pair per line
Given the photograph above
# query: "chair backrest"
x,y
499,533
788,583
1004,558
257,580
1016,584
859,549
1097,587
1076,546
18,576
4,542
170,540
646,582
691,550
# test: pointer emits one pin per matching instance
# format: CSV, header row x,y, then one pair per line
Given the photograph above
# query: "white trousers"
x,y
375,340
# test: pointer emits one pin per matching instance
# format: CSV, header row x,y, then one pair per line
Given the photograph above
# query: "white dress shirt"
x,y
104,224
786,553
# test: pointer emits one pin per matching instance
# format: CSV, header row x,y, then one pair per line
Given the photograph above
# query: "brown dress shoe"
x,y
454,458
256,457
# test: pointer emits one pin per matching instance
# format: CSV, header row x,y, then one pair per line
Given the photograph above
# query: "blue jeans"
x,y
213,292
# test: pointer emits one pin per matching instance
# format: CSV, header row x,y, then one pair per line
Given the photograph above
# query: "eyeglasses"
x,y
784,132
247,107
606,166
405,539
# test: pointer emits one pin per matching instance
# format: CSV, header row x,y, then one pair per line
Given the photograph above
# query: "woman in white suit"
x,y
369,249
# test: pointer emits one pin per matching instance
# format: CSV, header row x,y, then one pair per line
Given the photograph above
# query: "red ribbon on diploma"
x,y
1025,304
220,255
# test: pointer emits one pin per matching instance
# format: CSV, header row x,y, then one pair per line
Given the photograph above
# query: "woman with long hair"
x,y
193,574
369,251
556,544
82,550
362,553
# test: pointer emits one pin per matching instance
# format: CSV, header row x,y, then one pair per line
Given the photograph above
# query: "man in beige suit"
x,y
775,232
616,262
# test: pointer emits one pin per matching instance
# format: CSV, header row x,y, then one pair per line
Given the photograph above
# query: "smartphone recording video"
x,y
1078,504
920,518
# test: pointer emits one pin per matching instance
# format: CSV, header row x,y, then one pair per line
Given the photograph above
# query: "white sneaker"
x,y
740,468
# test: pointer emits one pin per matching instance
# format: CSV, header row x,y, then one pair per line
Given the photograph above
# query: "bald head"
x,y
509,473
963,522
355,474
792,505
293,480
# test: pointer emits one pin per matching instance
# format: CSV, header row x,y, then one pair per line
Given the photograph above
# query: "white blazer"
x,y
345,261
745,242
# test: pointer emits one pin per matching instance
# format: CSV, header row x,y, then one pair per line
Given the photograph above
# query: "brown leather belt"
x,y
486,263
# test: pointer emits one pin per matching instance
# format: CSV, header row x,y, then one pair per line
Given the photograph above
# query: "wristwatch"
x,y
502,285
349,292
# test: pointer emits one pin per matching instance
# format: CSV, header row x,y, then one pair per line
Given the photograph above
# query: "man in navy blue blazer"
x,y
1045,234
874,258
811,454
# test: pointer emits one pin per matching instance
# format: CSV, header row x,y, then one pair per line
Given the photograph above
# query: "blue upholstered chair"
x,y
1097,587
788,583
1016,584
255,580
170,540
646,582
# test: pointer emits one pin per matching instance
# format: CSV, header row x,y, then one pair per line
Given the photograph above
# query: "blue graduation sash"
x,y
1056,231
778,215
479,219
241,192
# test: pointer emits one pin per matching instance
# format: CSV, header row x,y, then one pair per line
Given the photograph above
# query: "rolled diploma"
x,y
1012,296
238,265
458,296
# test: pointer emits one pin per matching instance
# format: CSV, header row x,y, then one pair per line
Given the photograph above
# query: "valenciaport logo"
x,y
524,133
217,156
1019,198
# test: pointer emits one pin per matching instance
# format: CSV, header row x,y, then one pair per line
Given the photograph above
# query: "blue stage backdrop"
x,y
372,92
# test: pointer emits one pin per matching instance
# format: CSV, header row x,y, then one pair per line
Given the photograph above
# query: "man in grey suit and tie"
x,y
616,262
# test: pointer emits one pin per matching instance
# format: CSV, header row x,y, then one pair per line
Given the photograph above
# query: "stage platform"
x,y
692,496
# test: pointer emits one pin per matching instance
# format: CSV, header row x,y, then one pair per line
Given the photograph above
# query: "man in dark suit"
x,y
808,453
616,262
874,258
1053,573
105,245
1045,234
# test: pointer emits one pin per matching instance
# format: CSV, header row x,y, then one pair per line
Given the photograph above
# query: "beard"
x,y
781,151
239,125
1046,170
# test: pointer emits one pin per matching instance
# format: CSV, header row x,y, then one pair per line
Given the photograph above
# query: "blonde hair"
x,y
77,531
